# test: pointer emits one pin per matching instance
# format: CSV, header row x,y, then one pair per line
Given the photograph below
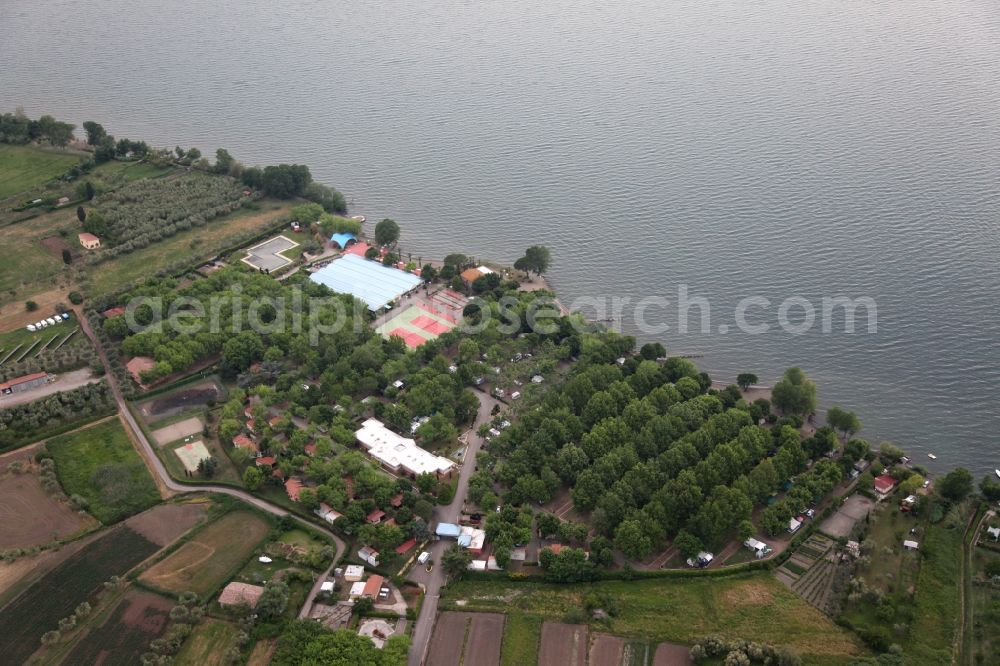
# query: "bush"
x,y
75,297
30,306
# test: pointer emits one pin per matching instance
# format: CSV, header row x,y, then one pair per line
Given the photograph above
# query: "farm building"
x,y
25,383
240,593
326,512
138,365
366,280
353,573
398,454
405,547
89,241
884,485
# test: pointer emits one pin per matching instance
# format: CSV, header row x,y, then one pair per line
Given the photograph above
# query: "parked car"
x,y
423,557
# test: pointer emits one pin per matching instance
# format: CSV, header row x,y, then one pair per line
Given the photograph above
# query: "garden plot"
x,y
809,572
472,639
606,650
179,430
563,644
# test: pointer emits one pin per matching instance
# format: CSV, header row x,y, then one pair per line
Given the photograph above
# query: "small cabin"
x,y
89,241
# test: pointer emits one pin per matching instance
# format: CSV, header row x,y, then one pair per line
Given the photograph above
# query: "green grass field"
x,y
24,167
521,635
208,644
100,464
678,610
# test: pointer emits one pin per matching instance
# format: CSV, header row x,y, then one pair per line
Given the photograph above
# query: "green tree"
x,y
67,256
795,393
81,214
652,351
223,161
387,233
688,544
456,561
956,484
95,132
536,260
252,478
89,191
273,600
745,380
631,539
846,422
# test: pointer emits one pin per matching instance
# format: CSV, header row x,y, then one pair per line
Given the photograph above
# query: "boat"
x,y
932,456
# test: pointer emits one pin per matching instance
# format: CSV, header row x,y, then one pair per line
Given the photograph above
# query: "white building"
x,y
399,454
353,573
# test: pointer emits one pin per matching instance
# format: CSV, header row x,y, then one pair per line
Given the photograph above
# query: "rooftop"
x,y
240,593
396,451
366,280
20,380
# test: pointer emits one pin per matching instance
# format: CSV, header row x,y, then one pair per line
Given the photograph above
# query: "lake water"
x,y
773,148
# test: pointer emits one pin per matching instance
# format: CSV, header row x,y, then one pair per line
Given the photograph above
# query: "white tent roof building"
x,y
400,454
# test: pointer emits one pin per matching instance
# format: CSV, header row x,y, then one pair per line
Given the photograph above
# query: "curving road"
x,y
165,480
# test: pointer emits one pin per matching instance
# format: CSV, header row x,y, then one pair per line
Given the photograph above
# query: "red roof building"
x,y
372,586
36,378
375,517
397,501
310,449
116,311
293,487
138,365
406,547
266,460
884,485
241,441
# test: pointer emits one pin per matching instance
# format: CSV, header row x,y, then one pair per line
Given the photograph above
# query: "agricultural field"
x,y
677,610
210,557
984,628
148,210
101,465
810,572
32,517
190,246
208,645
177,405
125,632
33,256
25,167
165,523
472,639
563,643
39,608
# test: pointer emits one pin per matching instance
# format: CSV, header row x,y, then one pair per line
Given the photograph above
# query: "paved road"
x,y
433,581
156,465
66,381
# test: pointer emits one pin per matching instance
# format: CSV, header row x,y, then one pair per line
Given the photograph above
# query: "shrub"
x,y
75,297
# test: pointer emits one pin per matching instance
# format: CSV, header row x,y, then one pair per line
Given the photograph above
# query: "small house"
x,y
357,589
353,573
326,512
241,441
293,487
884,485
994,532
373,586
405,547
375,517
89,241
369,555
910,545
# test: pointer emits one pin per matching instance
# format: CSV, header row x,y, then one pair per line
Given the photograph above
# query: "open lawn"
x,y
24,167
32,517
752,606
208,644
188,246
210,557
100,465
39,608
29,267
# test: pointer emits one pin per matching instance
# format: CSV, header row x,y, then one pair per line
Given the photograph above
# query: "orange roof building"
x,y
372,586
293,487
138,365
241,441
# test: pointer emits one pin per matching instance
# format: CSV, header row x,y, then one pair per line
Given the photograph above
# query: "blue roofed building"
x,y
449,530
343,240
366,280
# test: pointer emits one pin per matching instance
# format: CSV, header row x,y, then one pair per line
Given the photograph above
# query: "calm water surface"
x,y
774,148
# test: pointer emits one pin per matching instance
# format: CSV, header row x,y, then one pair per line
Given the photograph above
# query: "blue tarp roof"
x,y
342,239
465,540
448,530
369,281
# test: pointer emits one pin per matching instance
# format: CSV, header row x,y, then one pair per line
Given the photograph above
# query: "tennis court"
x,y
268,256
192,454
416,325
